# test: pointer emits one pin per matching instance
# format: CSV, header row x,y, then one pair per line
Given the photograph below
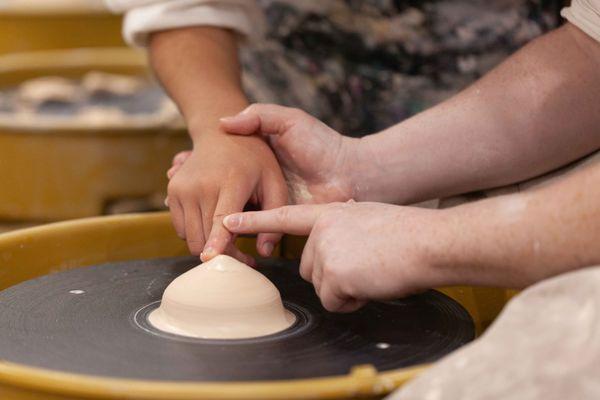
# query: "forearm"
x,y
200,70
533,113
520,239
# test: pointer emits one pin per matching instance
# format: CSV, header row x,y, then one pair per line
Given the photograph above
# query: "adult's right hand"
x,y
219,176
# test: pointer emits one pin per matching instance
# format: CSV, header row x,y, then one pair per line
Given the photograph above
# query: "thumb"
x,y
265,119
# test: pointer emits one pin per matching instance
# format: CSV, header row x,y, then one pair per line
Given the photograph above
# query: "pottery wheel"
x,y
92,320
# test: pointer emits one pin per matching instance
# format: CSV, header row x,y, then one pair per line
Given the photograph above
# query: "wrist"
x,y
365,171
208,123
441,243
488,243
349,172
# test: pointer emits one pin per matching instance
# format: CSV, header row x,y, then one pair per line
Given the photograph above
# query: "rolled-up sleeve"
x,y
143,17
584,14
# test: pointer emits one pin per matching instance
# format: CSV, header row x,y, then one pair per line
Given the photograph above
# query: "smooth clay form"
x,y
221,299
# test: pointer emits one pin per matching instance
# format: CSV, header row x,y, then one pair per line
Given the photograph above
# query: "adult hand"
x,y
217,178
357,251
318,162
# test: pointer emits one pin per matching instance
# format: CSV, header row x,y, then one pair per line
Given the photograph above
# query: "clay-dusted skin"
x,y
221,299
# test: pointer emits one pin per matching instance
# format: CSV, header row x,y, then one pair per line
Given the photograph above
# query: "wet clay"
x,y
222,299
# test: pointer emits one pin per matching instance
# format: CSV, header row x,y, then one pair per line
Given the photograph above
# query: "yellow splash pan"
x,y
57,24
34,252
65,170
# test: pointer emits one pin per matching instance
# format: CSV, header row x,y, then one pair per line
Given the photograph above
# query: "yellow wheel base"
x,y
34,252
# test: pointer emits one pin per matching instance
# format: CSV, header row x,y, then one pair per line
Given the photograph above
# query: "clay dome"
x,y
221,299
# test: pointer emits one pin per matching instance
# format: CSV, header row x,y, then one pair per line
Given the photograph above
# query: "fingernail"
x,y
226,119
268,248
166,201
207,254
232,221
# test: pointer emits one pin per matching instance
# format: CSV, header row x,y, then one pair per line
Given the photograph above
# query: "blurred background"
x,y
85,130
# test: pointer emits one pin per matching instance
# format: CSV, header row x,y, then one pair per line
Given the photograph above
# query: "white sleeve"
x,y
584,14
143,17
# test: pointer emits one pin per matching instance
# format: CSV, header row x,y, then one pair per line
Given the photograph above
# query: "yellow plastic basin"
x,y
50,173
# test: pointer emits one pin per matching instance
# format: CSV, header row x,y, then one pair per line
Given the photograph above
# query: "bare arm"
x,y
533,113
199,68
519,239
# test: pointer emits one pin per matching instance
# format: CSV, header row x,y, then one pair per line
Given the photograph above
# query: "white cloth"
x,y
143,17
585,14
543,346
244,16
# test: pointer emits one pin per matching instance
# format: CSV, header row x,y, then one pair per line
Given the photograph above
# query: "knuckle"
x,y
282,215
297,113
217,220
330,304
178,188
205,185
336,208
173,188
321,225
332,271
348,289
304,274
246,220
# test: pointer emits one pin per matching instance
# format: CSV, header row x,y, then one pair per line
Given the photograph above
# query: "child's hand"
x,y
217,178
179,159
356,251
318,162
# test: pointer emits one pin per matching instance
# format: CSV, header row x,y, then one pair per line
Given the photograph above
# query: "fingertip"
x,y
266,249
227,120
266,243
181,157
217,243
241,124
207,254
233,121
232,221
177,218
171,172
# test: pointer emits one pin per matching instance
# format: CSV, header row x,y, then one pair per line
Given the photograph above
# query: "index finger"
x,y
229,201
294,220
